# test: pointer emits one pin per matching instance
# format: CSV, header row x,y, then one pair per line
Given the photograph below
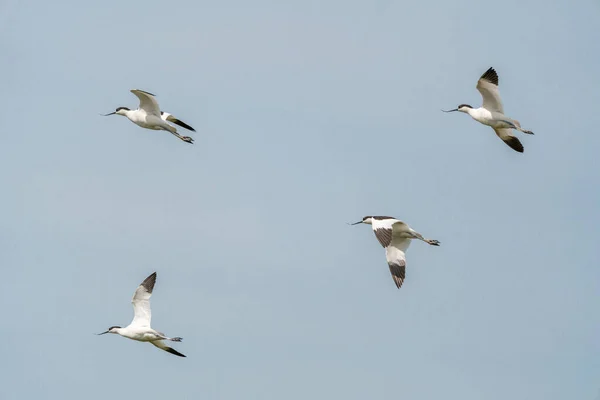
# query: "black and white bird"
x,y
149,116
139,329
491,113
395,236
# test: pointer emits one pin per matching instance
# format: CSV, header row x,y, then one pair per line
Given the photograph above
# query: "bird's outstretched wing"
x,y
488,87
141,302
160,344
147,102
389,233
383,229
506,135
396,259
169,117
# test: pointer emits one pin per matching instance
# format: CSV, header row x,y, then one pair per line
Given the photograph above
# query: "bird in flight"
x,y
149,116
139,329
395,236
491,113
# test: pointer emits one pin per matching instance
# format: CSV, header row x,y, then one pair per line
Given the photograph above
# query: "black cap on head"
x,y
113,327
122,108
464,105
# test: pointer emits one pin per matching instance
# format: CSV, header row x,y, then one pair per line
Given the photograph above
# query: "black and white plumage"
x,y
139,329
491,113
149,116
395,236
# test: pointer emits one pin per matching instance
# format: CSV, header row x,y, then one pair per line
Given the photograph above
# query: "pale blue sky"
x,y
309,115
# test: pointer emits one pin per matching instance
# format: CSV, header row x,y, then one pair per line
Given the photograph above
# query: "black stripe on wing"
x,y
173,351
514,143
143,91
384,236
491,76
174,120
182,124
149,282
398,270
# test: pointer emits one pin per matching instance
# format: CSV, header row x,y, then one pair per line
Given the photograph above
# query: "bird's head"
x,y
112,329
462,108
366,220
119,111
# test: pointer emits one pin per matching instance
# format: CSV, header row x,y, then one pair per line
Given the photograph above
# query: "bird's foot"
x,y
176,339
527,132
187,139
433,242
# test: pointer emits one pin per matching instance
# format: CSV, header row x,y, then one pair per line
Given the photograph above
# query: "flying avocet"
x,y
395,236
491,113
149,116
139,329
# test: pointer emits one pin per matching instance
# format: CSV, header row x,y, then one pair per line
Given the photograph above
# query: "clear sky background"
x,y
310,114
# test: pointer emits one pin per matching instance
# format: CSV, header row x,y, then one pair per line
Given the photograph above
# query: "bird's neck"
x,y
473,112
130,115
478,114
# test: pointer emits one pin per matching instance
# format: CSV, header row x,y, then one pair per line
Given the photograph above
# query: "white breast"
x,y
140,118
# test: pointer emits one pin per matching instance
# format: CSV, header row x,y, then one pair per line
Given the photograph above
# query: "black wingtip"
x,y
514,144
149,282
143,91
398,273
491,76
183,124
175,352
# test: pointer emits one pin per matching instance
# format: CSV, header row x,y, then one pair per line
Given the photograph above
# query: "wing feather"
x,y
384,229
161,345
384,236
488,87
141,302
396,258
506,135
147,102
398,271
392,234
169,117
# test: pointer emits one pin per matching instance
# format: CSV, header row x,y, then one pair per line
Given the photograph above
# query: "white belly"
x,y
493,119
144,120
140,334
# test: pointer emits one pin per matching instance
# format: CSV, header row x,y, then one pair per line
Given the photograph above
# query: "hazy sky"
x,y
310,114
